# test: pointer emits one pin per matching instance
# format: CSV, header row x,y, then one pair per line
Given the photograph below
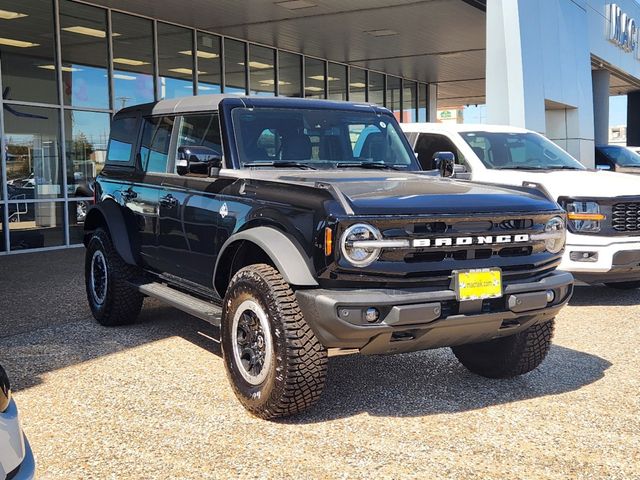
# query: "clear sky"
x,y
617,112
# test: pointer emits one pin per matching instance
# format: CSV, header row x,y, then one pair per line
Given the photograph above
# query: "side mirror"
x,y
198,161
445,163
603,167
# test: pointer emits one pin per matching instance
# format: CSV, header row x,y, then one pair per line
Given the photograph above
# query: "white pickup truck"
x,y
603,239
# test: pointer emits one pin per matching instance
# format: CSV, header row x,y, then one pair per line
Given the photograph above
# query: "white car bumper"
x,y
593,258
16,457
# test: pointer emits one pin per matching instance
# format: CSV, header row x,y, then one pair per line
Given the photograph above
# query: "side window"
x,y
124,131
429,144
154,146
202,130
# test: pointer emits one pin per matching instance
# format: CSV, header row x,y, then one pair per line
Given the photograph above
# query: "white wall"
x,y
539,70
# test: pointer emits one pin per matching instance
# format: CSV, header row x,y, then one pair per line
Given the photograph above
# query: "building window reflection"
x,y
27,52
175,61
86,138
409,101
262,72
235,62
209,64
376,88
357,85
314,78
83,39
132,60
290,74
337,81
34,170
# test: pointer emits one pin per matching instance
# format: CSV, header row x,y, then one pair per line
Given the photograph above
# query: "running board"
x,y
202,309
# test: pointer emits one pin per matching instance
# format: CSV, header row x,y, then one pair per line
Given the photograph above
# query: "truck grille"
x,y
626,217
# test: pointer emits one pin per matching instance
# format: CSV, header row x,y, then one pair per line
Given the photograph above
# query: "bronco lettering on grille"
x,y
462,241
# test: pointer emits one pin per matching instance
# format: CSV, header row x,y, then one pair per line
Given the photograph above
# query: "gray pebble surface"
x,y
152,400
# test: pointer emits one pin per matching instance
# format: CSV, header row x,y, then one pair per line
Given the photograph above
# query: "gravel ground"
x,y
152,400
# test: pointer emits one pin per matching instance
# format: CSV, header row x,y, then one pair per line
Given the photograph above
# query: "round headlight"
x,y
357,255
556,234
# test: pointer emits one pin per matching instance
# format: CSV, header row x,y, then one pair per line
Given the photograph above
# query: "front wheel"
x,y
624,285
275,363
508,356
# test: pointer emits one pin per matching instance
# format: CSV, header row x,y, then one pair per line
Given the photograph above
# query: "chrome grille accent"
x,y
625,217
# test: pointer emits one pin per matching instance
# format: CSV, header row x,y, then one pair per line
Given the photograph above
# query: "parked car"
x,y
16,457
603,241
617,158
301,238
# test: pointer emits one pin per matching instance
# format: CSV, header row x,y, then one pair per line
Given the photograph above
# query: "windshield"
x,y
525,151
320,139
621,156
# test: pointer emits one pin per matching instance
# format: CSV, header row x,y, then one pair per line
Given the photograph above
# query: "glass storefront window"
x,y
262,72
314,81
86,137
34,169
337,81
132,60
422,102
409,101
393,95
175,61
36,224
27,52
235,63
2,242
290,73
209,64
76,214
83,36
358,85
376,88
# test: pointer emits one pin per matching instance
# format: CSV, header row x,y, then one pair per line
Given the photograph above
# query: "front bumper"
x,y
595,259
16,457
413,320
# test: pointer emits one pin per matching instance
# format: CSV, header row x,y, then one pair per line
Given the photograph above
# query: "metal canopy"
x,y
435,41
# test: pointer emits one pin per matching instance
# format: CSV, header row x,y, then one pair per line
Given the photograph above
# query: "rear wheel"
x,y
113,300
509,356
275,363
624,285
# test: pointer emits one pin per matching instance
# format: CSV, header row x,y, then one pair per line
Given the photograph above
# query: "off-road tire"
x,y
297,372
122,302
624,285
508,356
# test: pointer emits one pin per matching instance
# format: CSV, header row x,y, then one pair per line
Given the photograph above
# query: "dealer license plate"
x,y
478,284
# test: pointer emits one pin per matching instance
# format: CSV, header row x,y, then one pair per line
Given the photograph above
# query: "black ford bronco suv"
x,y
299,226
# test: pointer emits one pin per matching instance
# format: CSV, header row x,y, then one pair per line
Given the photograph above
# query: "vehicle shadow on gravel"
x,y
433,382
604,296
29,356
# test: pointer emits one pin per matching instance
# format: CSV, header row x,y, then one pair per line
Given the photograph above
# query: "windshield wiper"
x,y
520,167
371,165
280,164
562,167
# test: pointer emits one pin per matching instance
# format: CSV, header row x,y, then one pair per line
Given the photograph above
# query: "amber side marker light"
x,y
585,216
328,241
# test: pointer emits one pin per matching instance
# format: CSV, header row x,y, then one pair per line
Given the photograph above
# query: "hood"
x,y
406,193
573,183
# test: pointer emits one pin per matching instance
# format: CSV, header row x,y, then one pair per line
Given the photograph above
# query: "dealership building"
x,y
67,66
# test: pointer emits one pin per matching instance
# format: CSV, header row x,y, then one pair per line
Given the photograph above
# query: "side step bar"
x,y
206,311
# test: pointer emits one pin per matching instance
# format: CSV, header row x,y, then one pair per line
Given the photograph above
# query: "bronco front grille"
x,y
625,217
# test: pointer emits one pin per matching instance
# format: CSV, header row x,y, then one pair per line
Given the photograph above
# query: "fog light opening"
x,y
371,315
551,296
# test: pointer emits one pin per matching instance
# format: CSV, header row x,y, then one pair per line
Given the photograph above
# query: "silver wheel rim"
x,y
251,340
99,277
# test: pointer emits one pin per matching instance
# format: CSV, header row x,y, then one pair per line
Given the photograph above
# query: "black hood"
x,y
406,193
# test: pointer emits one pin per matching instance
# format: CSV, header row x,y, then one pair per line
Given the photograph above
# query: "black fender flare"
x,y
283,251
110,212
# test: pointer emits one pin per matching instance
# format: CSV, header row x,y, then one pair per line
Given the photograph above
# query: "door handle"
x,y
128,194
168,201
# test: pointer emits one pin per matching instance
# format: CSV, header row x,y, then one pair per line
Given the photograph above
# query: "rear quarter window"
x,y
124,132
